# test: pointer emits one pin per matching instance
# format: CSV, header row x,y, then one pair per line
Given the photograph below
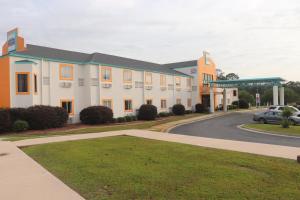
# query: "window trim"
x,y
61,66
107,99
28,83
68,100
124,108
176,79
163,99
150,74
124,71
103,68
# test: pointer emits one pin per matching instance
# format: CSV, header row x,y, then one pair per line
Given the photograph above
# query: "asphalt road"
x,y
225,127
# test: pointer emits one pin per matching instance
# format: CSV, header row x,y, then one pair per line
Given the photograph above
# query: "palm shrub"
x,y
286,113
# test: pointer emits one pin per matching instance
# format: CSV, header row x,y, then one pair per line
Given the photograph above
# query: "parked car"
x,y
281,108
295,119
268,117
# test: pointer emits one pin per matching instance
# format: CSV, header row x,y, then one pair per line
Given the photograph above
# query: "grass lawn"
x,y
274,128
100,128
124,167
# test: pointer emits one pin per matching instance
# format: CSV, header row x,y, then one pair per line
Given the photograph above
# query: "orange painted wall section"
x,y
20,46
4,82
203,68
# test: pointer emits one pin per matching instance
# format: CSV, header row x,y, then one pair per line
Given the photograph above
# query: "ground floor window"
x,y
68,106
163,103
107,103
178,101
149,101
189,102
23,82
128,105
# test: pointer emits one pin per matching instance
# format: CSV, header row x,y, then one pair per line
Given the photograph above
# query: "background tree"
x,y
232,76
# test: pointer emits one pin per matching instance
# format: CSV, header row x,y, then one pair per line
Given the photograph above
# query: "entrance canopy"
x,y
253,81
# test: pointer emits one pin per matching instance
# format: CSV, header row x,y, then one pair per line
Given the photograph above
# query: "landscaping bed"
x,y
274,129
124,167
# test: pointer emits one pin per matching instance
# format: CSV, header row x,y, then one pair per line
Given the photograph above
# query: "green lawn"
x,y
100,128
277,129
126,167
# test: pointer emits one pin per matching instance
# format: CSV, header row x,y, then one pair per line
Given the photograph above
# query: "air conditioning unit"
x,y
163,88
127,86
106,85
65,84
148,87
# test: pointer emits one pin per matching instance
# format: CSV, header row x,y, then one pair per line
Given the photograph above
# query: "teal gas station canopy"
x,y
243,82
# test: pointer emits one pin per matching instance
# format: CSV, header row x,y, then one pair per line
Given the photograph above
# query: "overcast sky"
x,y
254,38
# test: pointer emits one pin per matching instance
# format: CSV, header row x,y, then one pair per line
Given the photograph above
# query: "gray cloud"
x,y
252,38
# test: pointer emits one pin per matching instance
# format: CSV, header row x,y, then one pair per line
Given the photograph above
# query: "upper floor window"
x,y
127,76
178,101
207,78
177,81
148,78
23,83
234,93
66,72
188,82
106,75
163,80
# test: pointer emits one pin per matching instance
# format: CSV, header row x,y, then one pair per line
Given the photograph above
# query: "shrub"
x,y
241,104
20,125
163,114
147,112
96,115
285,123
188,112
18,114
201,108
121,119
178,109
43,117
5,121
113,120
128,118
133,118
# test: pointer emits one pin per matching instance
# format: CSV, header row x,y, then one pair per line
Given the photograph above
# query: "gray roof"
x,y
72,56
190,63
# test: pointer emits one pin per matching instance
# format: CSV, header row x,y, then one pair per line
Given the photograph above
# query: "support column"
x,y
275,95
281,96
212,99
225,100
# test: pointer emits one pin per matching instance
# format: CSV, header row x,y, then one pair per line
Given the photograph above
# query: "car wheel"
x,y
262,121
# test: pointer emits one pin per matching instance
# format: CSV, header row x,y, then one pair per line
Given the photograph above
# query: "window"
x,y
207,78
177,81
107,103
178,101
163,81
127,76
65,72
128,105
149,101
163,103
35,83
234,93
189,83
23,83
68,105
106,75
148,78
189,102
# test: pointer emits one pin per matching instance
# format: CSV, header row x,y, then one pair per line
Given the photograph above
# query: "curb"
x,y
266,132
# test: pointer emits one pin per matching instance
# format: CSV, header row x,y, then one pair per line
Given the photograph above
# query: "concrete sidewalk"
x,y
247,147
21,178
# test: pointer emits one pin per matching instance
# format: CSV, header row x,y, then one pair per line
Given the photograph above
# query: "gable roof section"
x,y
96,58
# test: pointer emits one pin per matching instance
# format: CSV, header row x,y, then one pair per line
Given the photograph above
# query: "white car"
x,y
281,108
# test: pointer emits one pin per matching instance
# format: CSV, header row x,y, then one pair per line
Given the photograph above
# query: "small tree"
x,y
286,113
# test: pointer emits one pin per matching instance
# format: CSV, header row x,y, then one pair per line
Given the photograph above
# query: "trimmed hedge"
x,y
241,104
201,108
20,125
96,115
121,119
5,120
178,109
147,112
163,114
44,117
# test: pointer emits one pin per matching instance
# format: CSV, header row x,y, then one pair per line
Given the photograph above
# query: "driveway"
x,y
225,127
